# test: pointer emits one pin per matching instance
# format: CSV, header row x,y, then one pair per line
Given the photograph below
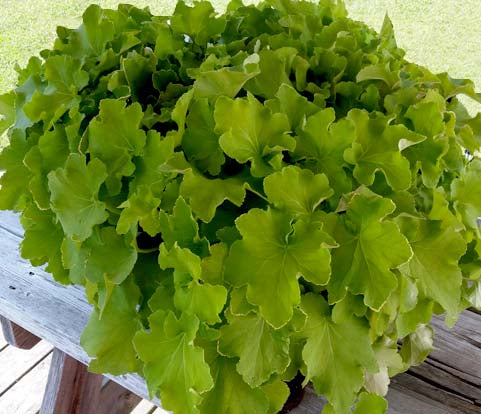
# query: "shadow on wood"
x,y
16,336
116,399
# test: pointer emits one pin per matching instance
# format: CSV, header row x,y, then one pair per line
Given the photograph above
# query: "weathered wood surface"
x,y
16,363
25,395
71,389
17,336
144,407
448,383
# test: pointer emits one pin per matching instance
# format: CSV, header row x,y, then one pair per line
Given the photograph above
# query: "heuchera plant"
x,y
247,196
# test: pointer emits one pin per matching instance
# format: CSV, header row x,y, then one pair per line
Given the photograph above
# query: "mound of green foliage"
x,y
247,196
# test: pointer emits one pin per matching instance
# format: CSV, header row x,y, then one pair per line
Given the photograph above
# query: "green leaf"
x,y
74,195
239,304
370,404
231,395
179,114
192,295
92,259
378,147
74,260
7,111
297,191
297,107
426,118
427,156
49,108
181,228
201,299
96,30
370,248
140,209
474,295
65,74
466,193
250,132
108,339
271,256
275,67
42,241
198,22
138,71
173,365
153,170
389,362
65,80
417,346
205,195
408,322
100,248
387,35
200,142
278,393
435,261
324,141
213,265
226,81
378,72
14,181
167,42
115,137
261,349
335,353
50,153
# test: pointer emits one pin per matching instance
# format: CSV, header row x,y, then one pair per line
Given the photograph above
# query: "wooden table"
x,y
449,382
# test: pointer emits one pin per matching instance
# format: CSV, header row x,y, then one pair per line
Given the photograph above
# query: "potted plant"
x,y
270,194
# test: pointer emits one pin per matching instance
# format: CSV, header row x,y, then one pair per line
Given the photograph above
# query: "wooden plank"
x,y
402,400
71,389
459,348
159,410
435,373
15,363
24,396
3,342
416,391
116,399
16,336
144,407
10,221
56,313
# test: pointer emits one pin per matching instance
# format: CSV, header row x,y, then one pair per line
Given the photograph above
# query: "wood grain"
x,y
447,383
71,389
415,390
15,363
116,399
25,396
16,336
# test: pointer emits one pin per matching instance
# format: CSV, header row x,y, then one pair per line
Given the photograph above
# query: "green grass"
x,y
444,35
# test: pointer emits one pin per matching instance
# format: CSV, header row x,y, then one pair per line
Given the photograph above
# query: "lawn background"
x,y
444,35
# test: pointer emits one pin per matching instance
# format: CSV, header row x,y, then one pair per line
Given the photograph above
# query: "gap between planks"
x,y
17,363
24,397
